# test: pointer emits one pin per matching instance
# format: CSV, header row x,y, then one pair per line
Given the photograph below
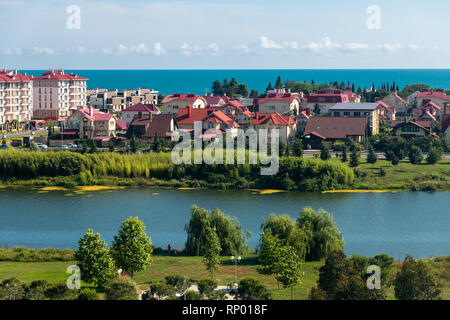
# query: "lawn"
x,y
193,269
404,176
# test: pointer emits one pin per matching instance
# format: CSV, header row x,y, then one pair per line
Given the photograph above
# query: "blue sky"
x,y
229,34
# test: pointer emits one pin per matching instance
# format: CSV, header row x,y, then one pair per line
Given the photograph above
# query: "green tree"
x,y
278,83
289,266
415,155
251,288
434,155
60,291
211,259
131,248
324,234
217,88
111,146
372,156
354,158
36,290
415,281
94,260
133,145
93,148
344,154
297,148
324,152
158,291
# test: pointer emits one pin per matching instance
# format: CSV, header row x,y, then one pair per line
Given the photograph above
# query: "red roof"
x,y
59,75
222,117
121,124
197,114
214,100
142,107
327,98
278,96
177,96
386,106
434,94
96,115
432,105
13,76
275,118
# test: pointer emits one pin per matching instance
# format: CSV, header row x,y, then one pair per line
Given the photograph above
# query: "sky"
x,y
245,34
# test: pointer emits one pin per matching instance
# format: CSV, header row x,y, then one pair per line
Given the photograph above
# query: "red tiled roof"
x,y
142,107
328,97
222,117
386,106
177,96
157,126
12,76
277,97
97,115
121,124
336,127
197,114
433,94
59,75
214,100
432,105
275,118
423,124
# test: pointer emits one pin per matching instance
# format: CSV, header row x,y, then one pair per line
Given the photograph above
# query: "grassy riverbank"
x,y
69,170
194,269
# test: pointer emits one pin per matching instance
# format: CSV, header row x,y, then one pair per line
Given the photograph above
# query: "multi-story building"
x,y
16,99
117,101
57,94
286,103
92,124
174,102
370,111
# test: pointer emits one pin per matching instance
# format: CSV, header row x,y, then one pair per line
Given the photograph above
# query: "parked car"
x,y
5,146
63,147
41,146
71,145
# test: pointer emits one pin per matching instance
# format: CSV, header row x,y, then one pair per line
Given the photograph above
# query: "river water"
x,y
393,223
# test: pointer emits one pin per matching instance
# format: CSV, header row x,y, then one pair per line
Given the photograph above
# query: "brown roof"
x,y
422,124
158,124
336,127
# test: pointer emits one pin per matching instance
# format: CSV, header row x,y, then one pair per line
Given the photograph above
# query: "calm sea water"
x,y
199,81
394,223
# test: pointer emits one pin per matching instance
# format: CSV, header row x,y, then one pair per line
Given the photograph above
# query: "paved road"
x,y
380,155
21,133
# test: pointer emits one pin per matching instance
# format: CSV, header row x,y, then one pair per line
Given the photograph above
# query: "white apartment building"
x,y
56,94
16,98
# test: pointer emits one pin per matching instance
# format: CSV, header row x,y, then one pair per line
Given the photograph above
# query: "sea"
x,y
200,81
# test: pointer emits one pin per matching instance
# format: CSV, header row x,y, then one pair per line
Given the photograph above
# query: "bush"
x,y
252,289
60,291
415,155
11,289
88,294
36,290
206,287
354,158
372,156
119,290
434,155
382,172
22,254
324,152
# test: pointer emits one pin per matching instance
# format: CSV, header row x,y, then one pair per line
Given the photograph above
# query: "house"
x,y
215,101
386,112
219,121
411,129
445,122
139,110
321,129
92,124
286,125
186,117
302,120
398,103
356,110
320,103
175,102
237,111
437,97
286,103
121,127
412,97
152,126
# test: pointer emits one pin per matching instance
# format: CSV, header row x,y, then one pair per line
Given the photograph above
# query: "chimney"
x,y
308,111
91,111
189,111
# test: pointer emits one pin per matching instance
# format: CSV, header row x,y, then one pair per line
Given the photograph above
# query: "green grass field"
x,y
404,176
193,269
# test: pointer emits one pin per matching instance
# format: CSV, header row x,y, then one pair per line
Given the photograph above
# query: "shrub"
x,y
11,289
372,156
252,289
415,155
354,158
118,290
206,287
88,294
434,155
324,152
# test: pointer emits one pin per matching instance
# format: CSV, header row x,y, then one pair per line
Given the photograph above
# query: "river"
x,y
394,223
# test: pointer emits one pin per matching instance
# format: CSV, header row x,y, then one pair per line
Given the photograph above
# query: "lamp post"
x,y
235,260
185,288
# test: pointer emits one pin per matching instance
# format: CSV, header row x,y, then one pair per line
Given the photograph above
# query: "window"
x,y
357,113
346,113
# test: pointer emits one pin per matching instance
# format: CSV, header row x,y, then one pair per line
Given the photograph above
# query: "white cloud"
x,y
211,49
44,51
138,49
266,43
158,49
12,51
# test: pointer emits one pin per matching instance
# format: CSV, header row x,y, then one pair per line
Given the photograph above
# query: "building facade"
x,y
57,94
16,99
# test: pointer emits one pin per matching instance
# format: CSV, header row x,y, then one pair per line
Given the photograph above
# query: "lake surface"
x,y
200,81
394,223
